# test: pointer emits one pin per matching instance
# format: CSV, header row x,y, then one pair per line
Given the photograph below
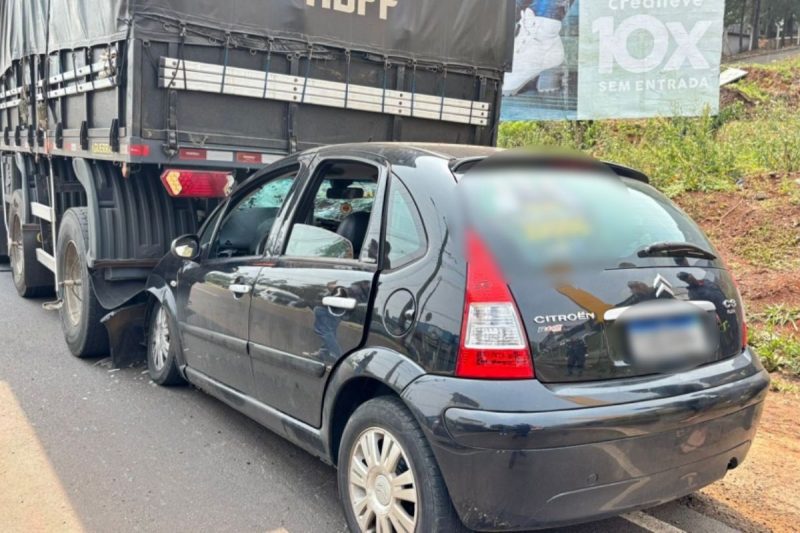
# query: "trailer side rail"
x,y
198,76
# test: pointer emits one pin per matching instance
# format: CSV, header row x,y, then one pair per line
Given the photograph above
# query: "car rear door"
x,y
310,306
215,293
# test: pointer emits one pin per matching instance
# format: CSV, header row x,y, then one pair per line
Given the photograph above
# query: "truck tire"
x,y
80,310
4,238
31,278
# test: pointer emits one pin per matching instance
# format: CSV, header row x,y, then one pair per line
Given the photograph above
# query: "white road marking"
x,y
650,523
688,519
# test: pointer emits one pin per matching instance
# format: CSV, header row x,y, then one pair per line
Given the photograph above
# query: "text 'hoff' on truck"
x,y
123,121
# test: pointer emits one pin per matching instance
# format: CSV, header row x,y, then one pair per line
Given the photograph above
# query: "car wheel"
x,y
162,365
80,309
388,477
30,277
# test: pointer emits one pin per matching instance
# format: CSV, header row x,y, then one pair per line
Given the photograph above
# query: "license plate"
x,y
667,340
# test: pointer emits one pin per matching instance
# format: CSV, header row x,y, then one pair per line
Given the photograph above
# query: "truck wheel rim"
x,y
73,279
160,340
16,253
383,488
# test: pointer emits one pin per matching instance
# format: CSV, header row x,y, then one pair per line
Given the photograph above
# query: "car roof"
x,y
399,152
456,155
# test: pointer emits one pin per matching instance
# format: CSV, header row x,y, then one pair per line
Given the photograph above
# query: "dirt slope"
x,y
757,229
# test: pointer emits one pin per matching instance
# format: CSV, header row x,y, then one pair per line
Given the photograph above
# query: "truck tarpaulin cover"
x,y
460,32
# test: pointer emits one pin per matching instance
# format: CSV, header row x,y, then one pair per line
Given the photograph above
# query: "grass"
x,y
785,386
767,140
770,248
780,316
707,153
752,90
779,351
774,341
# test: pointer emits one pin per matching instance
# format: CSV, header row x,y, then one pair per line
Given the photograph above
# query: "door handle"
x,y
240,290
338,302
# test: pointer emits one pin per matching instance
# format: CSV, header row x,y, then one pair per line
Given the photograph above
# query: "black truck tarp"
x,y
473,33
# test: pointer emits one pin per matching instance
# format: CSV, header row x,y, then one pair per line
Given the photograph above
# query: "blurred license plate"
x,y
667,340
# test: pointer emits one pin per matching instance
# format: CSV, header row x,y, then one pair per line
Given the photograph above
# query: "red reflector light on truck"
x,y
197,183
493,341
191,154
139,150
248,157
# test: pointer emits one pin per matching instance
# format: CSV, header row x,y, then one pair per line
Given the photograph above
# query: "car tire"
x,y
367,487
162,348
80,310
31,278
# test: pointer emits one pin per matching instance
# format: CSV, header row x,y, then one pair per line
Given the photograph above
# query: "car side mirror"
x,y
186,247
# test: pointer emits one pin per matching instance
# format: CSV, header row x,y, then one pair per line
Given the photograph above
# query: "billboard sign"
x,y
595,59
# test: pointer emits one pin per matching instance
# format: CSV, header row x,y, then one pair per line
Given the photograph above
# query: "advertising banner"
x,y
596,59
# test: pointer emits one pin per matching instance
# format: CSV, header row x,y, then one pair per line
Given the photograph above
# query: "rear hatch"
x,y
596,302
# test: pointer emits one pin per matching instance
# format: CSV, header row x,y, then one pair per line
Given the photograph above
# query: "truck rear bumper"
x,y
528,470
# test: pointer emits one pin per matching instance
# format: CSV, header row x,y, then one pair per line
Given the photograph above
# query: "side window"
x,y
334,218
405,234
247,225
207,231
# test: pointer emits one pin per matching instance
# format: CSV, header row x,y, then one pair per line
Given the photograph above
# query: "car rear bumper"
x,y
511,470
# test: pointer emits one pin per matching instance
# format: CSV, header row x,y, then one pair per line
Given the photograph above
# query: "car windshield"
x,y
563,218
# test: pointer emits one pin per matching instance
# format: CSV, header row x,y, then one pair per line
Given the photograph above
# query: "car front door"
x,y
310,308
215,293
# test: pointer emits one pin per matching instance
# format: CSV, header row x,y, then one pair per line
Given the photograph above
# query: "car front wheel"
x,y
162,364
388,477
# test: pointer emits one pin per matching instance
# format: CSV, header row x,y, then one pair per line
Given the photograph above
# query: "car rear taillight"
x,y
744,313
493,341
197,183
744,334
741,302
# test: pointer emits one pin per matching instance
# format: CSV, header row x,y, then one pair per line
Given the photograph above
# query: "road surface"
x,y
765,57
84,446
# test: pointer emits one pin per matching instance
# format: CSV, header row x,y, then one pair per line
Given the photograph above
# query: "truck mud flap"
x,y
126,335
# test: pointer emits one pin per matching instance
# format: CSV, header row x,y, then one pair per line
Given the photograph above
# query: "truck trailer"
x,y
123,122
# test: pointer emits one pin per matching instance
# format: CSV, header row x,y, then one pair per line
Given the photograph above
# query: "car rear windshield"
x,y
542,218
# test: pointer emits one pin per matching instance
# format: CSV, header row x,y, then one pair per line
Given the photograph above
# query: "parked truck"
x,y
122,122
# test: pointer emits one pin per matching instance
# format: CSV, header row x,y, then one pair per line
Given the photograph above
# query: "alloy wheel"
x,y
383,488
160,339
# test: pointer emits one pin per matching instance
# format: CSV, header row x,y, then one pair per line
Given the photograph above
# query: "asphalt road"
x,y
126,455
767,57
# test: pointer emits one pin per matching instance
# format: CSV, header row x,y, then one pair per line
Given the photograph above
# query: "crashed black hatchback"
x,y
473,339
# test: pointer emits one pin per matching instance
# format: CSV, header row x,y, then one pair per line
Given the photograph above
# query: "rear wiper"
x,y
676,249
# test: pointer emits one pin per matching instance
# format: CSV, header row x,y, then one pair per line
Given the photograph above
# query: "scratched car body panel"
x,y
547,338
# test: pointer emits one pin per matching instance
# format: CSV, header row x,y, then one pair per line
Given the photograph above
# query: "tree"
x,y
755,25
733,11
